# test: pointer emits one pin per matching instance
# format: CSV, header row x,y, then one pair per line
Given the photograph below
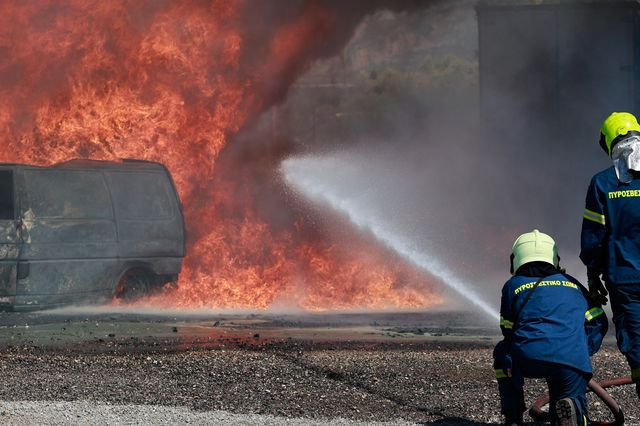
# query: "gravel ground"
x,y
285,383
26,413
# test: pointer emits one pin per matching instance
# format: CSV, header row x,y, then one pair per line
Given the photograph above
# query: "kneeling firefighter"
x,y
550,328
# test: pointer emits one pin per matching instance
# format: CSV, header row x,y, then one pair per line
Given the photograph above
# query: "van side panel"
x,y
69,237
147,213
64,282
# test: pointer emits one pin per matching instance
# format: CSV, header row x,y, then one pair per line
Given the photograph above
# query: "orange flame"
x,y
173,82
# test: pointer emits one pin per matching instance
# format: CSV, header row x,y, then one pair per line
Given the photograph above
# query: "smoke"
x,y
305,31
406,132
456,174
543,106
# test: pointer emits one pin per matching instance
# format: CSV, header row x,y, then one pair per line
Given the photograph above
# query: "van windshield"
x,y
6,195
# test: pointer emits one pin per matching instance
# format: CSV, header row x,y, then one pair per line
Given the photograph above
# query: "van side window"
x,y
67,194
141,195
6,195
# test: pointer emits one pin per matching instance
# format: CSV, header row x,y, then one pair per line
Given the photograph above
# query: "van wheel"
x,y
134,284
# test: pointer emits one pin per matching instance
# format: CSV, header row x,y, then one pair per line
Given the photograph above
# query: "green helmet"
x,y
617,127
531,247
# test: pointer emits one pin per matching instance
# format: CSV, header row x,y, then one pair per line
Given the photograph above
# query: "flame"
x,y
174,82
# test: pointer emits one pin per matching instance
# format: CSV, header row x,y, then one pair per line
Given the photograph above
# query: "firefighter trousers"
x,y
625,305
563,382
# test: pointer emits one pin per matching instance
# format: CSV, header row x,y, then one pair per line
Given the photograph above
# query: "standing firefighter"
x,y
611,233
550,331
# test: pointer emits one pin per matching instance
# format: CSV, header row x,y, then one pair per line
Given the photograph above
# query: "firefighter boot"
x,y
566,412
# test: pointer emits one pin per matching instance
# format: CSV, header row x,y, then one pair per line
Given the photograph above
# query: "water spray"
x,y
324,179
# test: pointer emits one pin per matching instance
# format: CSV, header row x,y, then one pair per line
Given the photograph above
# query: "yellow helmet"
x,y
615,128
531,247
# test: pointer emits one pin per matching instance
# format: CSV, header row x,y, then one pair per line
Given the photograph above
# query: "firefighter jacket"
x,y
556,324
610,240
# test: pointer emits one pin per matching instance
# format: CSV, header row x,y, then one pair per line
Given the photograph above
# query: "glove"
x,y
502,358
597,292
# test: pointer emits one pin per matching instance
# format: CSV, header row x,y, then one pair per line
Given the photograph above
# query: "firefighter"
x,y
610,243
550,330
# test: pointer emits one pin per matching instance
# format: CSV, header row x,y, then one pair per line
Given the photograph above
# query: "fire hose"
x,y
538,414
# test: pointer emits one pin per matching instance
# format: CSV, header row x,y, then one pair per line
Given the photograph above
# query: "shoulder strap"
x,y
524,302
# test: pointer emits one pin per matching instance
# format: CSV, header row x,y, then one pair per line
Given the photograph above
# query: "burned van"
x,y
86,231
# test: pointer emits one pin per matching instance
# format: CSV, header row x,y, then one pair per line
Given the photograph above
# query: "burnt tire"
x,y
135,284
